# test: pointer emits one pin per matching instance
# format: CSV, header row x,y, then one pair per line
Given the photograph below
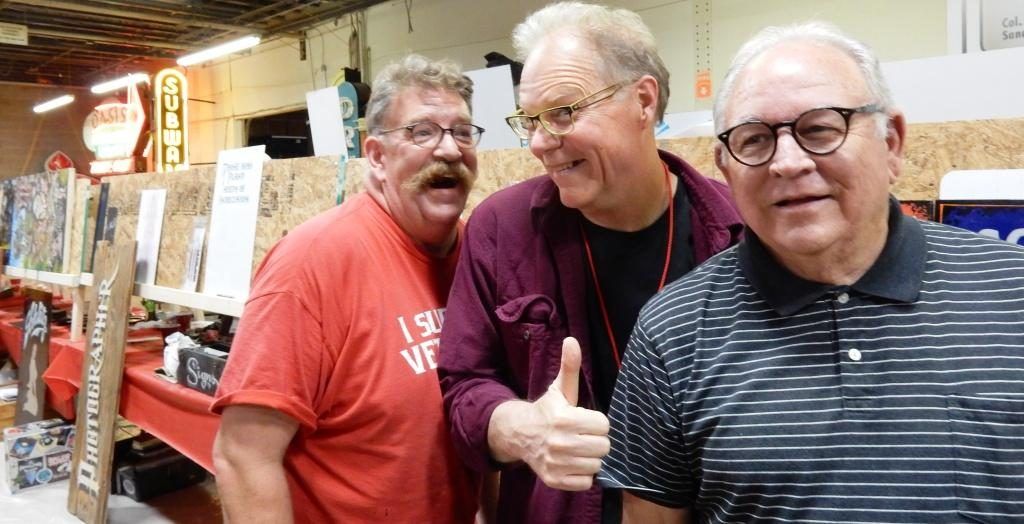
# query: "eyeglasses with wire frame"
x,y
430,134
819,131
556,120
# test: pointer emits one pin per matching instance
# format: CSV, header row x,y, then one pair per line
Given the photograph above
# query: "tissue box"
x,y
200,368
38,453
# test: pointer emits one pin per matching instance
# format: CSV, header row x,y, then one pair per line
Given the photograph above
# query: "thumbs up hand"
x,y
561,442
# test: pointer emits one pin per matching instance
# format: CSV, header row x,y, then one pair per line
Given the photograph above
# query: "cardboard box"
x,y
200,368
38,453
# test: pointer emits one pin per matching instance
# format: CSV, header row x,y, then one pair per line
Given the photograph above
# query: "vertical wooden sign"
x,y
35,356
102,366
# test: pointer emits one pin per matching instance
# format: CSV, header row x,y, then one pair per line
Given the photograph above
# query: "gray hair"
x,y
815,32
414,71
624,44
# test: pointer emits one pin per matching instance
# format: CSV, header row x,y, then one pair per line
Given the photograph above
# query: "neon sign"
x,y
112,131
170,121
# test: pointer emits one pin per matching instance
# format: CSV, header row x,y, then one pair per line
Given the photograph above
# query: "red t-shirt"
x,y
341,333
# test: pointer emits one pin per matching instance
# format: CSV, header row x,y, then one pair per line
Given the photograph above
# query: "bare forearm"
x,y
248,455
254,493
509,431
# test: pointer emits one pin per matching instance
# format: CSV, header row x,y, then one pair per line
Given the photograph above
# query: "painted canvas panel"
x,y
6,206
923,209
1002,219
39,219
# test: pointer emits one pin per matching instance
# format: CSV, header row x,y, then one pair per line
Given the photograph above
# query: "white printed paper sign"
x,y
194,254
147,234
236,202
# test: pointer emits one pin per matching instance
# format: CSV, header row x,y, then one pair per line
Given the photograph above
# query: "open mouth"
x,y
444,182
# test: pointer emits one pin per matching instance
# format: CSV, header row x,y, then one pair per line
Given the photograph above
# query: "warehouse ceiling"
x,y
79,43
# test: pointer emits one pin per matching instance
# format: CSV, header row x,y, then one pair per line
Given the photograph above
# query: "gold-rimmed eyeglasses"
x,y
556,120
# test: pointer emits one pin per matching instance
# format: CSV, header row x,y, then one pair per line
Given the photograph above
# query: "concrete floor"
x,y
48,505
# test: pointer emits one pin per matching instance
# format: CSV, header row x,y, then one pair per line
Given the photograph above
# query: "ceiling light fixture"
x,y
54,104
226,48
118,83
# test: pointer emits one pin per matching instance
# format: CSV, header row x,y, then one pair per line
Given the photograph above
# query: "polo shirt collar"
x,y
895,275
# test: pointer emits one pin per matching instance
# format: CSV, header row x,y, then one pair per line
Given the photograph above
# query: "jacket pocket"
x,y
988,452
529,327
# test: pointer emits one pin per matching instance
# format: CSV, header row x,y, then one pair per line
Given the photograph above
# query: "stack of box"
x,y
38,453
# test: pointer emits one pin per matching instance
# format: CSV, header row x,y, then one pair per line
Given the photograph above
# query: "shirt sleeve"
x,y
276,359
647,454
471,366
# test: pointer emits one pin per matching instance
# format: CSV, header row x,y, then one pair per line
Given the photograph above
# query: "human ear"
x,y
376,157
647,90
895,136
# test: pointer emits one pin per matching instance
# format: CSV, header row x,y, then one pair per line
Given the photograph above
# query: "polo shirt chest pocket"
x,y
988,457
532,332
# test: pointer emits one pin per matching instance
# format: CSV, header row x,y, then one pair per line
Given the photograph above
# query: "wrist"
x,y
507,430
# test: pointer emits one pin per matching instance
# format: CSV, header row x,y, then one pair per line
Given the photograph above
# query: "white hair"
x,y
625,46
814,32
414,71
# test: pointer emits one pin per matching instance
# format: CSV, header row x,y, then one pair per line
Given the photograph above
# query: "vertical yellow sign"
x,y
170,121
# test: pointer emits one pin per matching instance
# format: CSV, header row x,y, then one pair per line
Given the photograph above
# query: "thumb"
x,y
568,380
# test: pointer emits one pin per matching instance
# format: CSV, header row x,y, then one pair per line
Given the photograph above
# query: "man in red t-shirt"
x,y
331,408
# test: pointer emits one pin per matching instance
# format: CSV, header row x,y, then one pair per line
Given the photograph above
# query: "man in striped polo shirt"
x,y
844,363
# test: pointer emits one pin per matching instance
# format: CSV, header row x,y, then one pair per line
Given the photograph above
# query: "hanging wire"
x,y
354,46
408,13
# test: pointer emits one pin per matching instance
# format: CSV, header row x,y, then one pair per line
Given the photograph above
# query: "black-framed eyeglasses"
x,y
429,134
818,131
556,120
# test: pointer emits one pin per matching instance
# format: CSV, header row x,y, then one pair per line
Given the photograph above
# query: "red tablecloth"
x,y
175,414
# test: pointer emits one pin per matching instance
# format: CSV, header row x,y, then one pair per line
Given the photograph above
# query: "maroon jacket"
x,y
520,289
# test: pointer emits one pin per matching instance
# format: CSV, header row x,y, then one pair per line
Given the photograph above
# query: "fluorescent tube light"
x,y
226,48
118,83
53,104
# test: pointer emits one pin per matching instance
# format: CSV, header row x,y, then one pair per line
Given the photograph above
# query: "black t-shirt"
x,y
629,268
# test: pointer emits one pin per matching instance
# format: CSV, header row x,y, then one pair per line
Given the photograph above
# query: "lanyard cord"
x,y
664,271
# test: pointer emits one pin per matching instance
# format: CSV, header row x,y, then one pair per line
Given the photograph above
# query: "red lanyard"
x,y
664,271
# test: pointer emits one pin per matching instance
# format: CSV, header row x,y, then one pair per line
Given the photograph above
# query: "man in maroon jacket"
x,y
554,270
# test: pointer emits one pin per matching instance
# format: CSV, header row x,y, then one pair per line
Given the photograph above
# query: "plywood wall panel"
x,y
931,150
189,194
297,189
291,192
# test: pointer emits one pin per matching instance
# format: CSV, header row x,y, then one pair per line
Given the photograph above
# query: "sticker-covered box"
x,y
38,453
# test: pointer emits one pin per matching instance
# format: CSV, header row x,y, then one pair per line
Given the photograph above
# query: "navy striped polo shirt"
x,y
749,394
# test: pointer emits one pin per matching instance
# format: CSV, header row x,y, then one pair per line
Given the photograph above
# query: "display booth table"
x,y
175,414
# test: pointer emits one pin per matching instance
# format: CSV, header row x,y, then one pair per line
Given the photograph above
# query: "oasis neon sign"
x,y
170,121
113,132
